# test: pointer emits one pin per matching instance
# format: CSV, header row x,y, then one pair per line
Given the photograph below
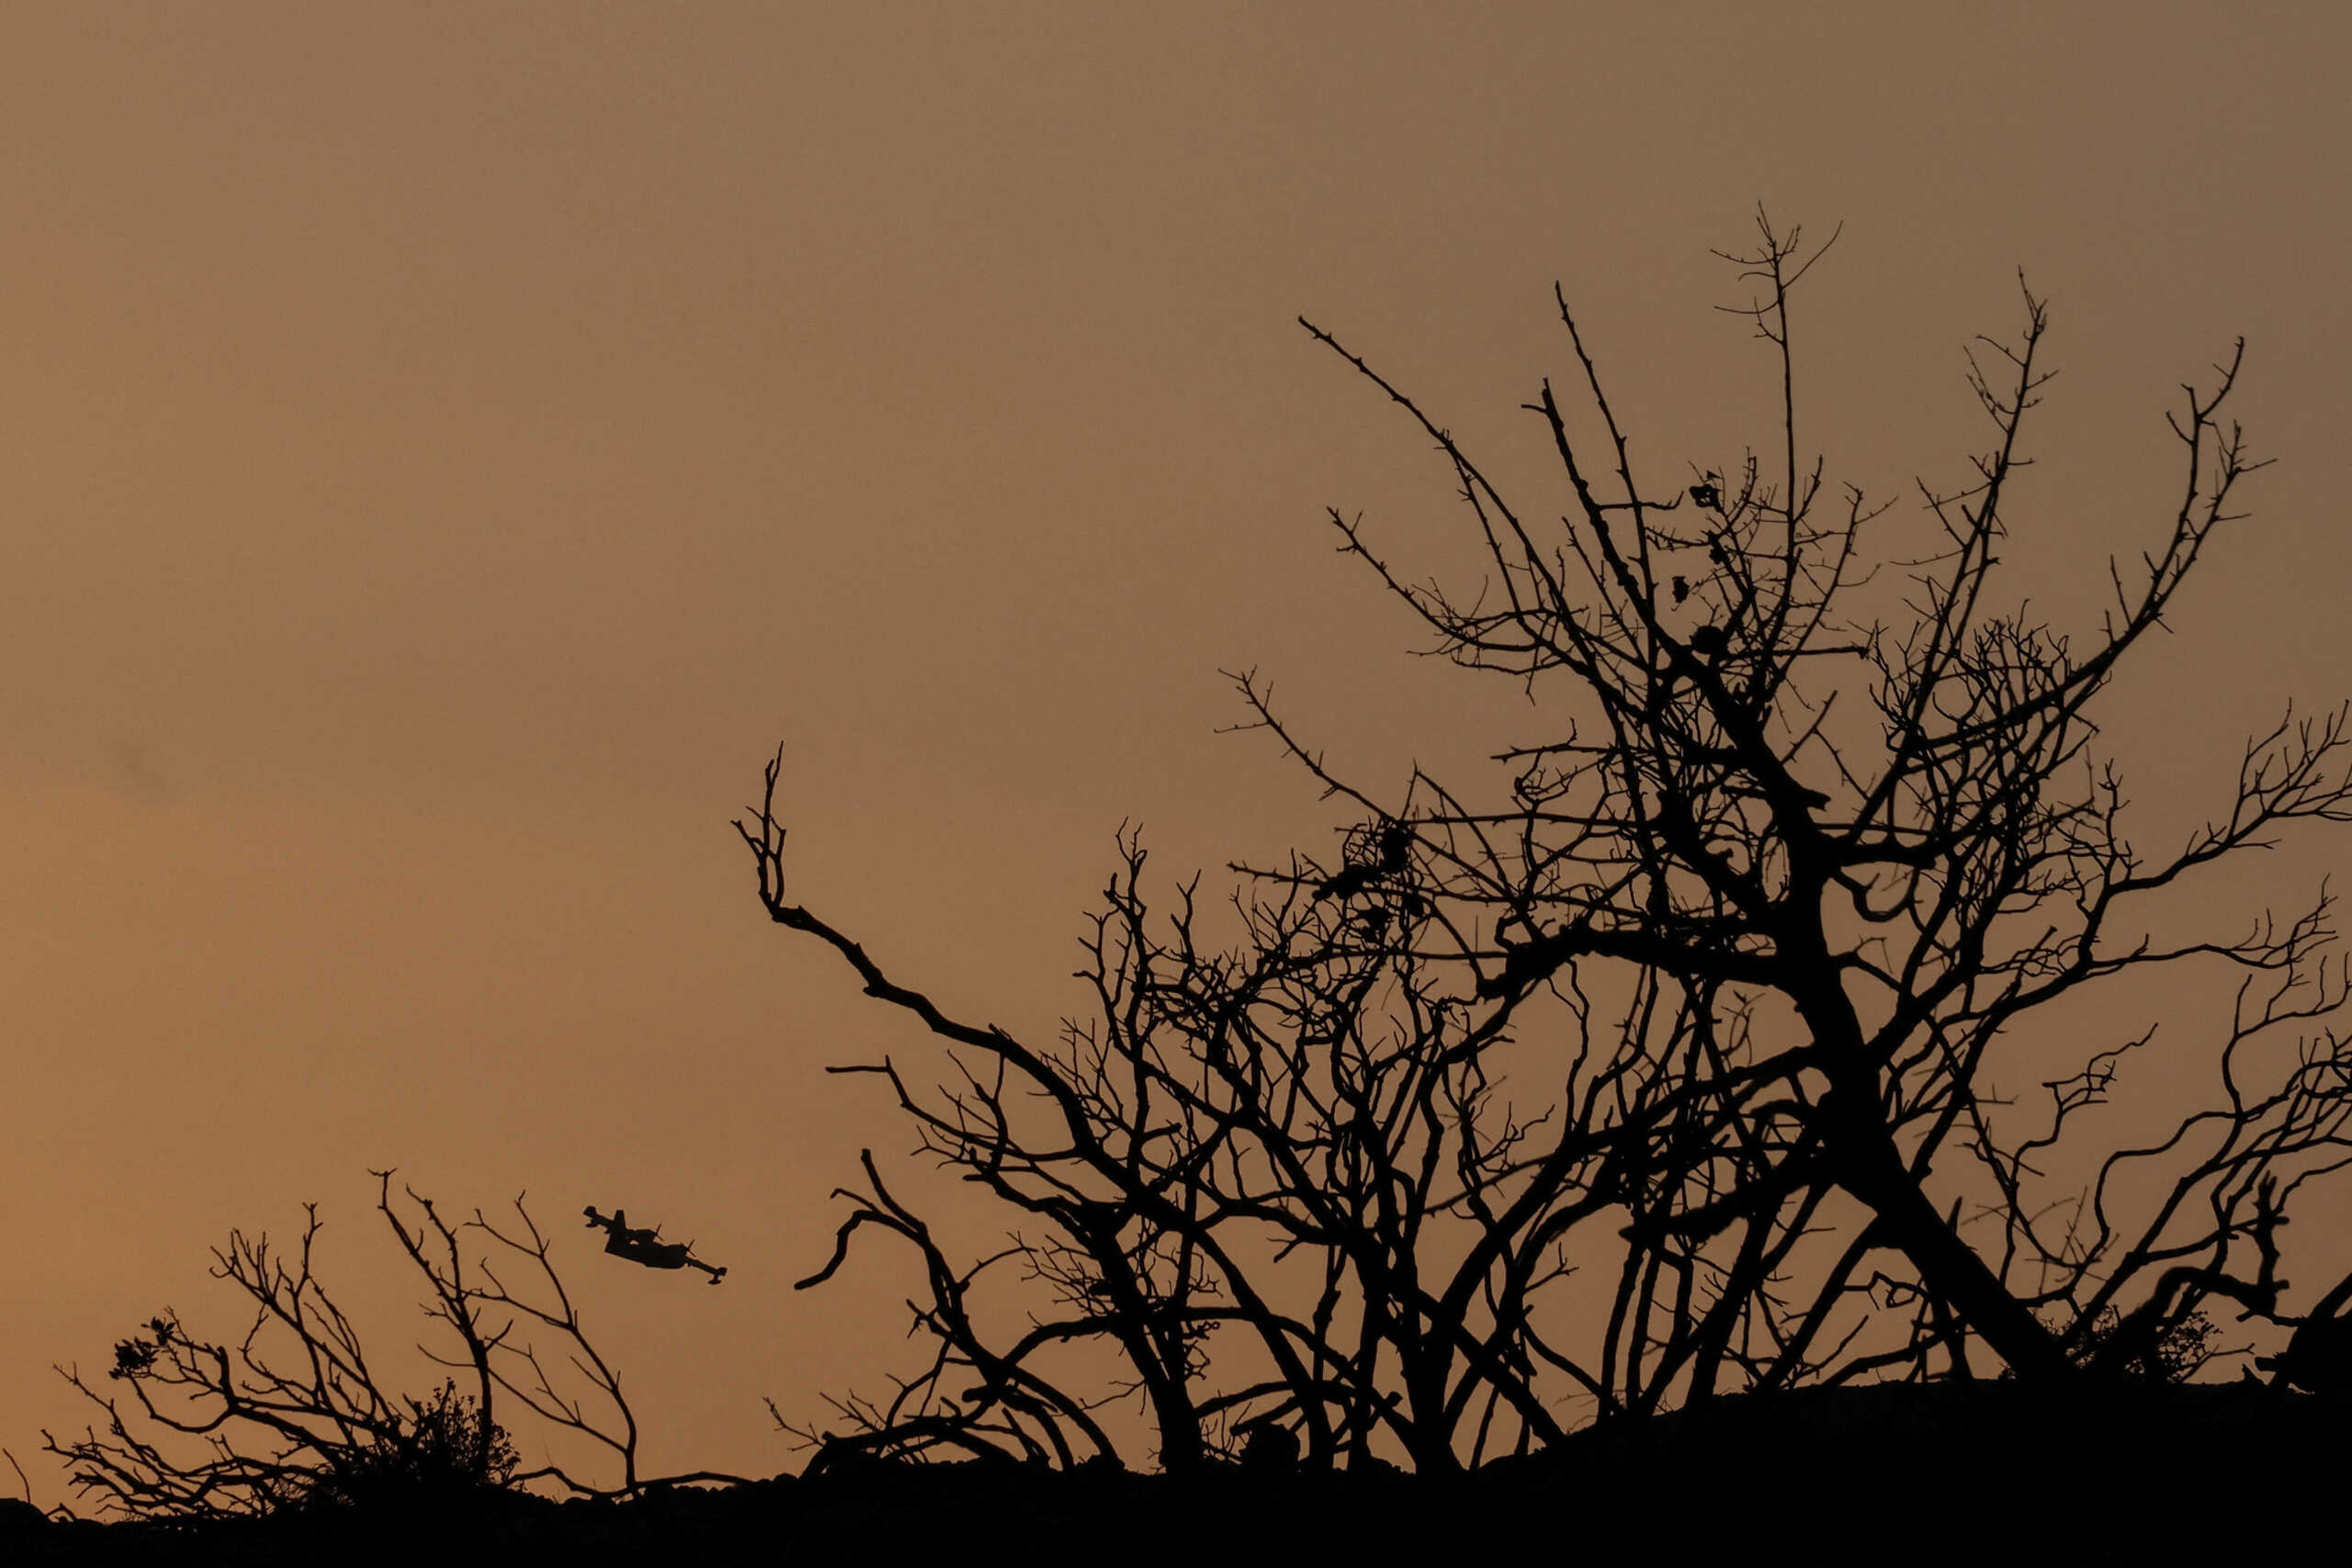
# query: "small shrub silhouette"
x,y
291,1417
442,1454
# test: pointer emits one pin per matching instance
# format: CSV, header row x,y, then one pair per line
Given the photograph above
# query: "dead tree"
x,y
1813,834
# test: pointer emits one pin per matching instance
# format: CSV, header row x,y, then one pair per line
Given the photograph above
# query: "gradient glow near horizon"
x,y
446,446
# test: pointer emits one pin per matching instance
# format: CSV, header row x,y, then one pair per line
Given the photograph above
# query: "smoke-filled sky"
x,y
446,447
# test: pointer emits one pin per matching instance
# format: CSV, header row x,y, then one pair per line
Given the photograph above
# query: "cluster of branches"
x,y
1803,858
292,1415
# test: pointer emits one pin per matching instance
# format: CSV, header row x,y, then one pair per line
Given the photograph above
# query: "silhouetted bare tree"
x,y
1807,849
291,1415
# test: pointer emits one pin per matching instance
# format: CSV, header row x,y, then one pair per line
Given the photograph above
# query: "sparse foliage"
x,y
292,1414
1817,832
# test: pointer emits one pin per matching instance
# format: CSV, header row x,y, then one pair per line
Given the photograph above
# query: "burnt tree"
x,y
1816,829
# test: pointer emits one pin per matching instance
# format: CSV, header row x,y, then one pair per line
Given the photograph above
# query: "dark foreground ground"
x,y
1881,1476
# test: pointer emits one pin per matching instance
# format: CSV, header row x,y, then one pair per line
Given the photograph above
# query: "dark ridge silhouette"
x,y
1904,1474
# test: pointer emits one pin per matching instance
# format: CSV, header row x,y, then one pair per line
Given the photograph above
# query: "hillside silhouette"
x,y
1908,1474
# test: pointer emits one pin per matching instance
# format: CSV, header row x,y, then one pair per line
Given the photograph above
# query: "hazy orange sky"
x,y
447,445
